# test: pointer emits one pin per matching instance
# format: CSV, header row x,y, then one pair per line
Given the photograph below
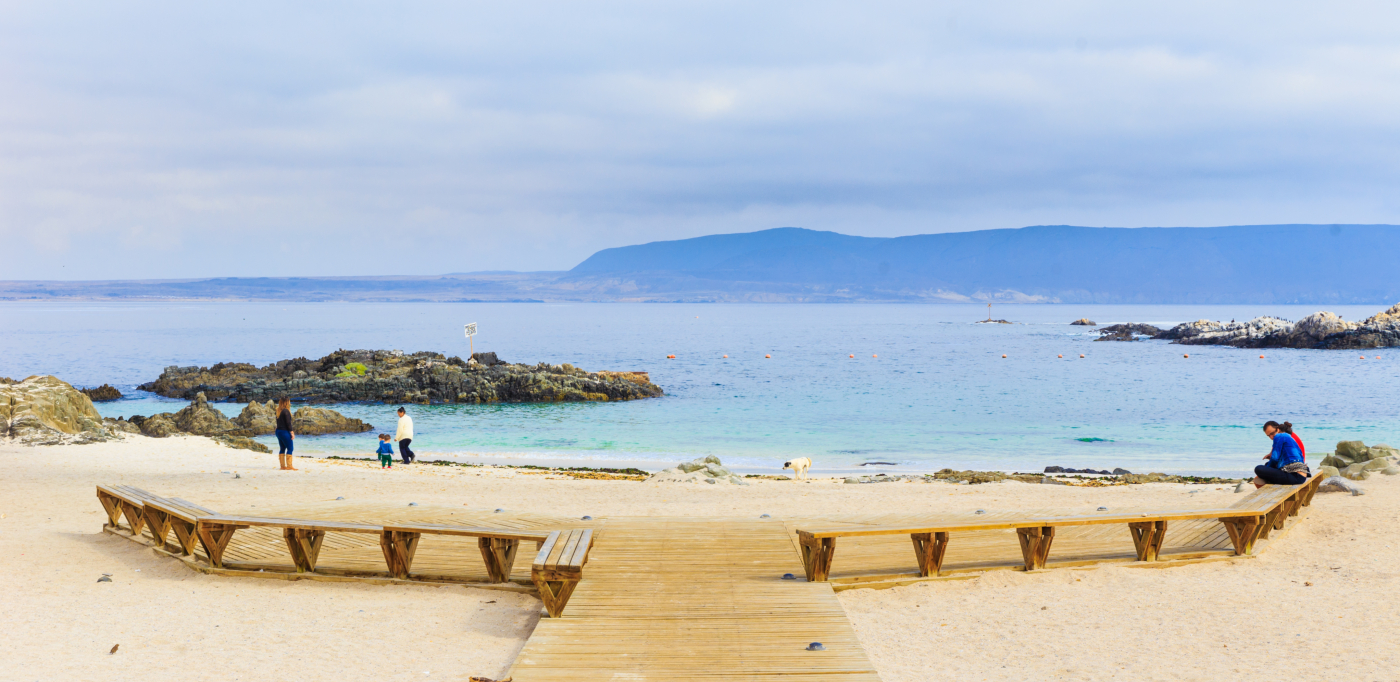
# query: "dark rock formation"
x,y
1320,330
200,419
102,393
1085,322
1066,470
1127,332
393,377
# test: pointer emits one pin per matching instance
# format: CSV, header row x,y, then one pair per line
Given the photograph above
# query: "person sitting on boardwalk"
x,y
1285,465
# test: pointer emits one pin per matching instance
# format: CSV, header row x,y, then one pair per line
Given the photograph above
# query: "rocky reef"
x,y
1085,322
382,376
102,393
1127,332
1321,330
44,410
257,419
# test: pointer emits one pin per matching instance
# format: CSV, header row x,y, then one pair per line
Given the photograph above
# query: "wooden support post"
x,y
499,554
112,506
185,534
817,554
399,548
305,547
555,592
159,524
215,537
1295,503
1147,538
134,518
1243,530
1035,545
929,549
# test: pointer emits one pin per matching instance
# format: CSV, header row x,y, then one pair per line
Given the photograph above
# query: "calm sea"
x,y
939,394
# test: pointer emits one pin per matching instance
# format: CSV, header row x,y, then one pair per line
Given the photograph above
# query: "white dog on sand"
x,y
799,466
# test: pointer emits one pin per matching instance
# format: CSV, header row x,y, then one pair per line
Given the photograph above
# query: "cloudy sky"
x,y
142,139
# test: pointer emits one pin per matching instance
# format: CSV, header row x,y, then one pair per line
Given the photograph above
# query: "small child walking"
x,y
386,452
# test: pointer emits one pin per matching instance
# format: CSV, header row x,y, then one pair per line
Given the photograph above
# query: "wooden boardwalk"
x,y
695,599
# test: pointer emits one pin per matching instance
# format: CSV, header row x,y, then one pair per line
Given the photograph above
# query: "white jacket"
x,y
405,431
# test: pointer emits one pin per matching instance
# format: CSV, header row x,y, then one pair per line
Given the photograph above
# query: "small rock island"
x,y
388,376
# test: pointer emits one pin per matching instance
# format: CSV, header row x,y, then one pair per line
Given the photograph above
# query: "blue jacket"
x,y
385,448
1285,451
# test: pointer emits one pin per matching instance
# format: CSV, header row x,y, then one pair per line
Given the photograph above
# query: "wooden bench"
x,y
498,546
303,538
164,514
559,566
119,500
1245,522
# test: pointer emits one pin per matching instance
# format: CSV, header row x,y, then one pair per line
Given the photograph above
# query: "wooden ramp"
x,y
680,599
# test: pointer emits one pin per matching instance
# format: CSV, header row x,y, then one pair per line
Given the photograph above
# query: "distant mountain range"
x,y
1303,264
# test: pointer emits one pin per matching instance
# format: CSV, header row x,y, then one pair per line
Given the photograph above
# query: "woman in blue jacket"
x,y
1285,465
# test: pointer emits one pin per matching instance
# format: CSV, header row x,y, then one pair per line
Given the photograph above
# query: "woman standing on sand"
x,y
1285,465
285,434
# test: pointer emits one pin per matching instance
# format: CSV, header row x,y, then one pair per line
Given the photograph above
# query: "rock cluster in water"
x,y
700,470
1085,322
257,419
1322,330
44,410
381,376
1357,462
102,393
1127,332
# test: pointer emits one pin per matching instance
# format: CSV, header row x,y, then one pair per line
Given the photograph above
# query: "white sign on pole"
x,y
471,330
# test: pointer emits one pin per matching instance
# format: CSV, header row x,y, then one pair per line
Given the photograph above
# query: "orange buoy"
x,y
1363,357
1261,357
1378,357
874,356
1185,355
1059,356
1003,354
1081,355
853,354
726,356
670,357
767,356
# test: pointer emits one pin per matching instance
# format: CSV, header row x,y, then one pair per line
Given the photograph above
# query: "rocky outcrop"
x,y
43,410
1357,462
1127,332
199,418
1322,330
701,470
394,377
1085,322
102,393
260,419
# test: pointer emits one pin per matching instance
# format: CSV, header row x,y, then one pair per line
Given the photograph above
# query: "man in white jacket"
x,y
405,436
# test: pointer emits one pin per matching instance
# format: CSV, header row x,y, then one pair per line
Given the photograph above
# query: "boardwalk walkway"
x,y
676,599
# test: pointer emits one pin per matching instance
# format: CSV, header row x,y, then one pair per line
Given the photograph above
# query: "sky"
x,y
173,140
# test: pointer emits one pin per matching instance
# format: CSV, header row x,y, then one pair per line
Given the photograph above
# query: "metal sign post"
x,y
471,331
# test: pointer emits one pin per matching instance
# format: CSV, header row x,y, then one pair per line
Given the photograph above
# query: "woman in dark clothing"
x,y
1285,465
285,434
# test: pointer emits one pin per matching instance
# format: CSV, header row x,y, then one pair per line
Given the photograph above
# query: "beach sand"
x,y
1244,619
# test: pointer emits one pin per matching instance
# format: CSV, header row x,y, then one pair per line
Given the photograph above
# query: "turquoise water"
x,y
939,394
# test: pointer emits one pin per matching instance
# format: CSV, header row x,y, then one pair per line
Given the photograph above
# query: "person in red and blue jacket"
x,y
1285,461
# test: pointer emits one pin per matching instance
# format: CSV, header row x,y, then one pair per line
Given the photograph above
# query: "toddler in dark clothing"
x,y
386,452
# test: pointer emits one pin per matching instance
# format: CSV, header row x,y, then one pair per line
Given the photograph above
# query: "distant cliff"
x,y
1281,264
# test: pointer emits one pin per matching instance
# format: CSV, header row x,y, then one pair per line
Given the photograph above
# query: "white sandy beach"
x,y
1242,619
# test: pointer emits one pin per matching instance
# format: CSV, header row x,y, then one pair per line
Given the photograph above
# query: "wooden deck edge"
x,y
292,575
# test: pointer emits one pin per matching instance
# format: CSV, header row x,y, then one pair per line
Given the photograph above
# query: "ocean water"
x,y
938,395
